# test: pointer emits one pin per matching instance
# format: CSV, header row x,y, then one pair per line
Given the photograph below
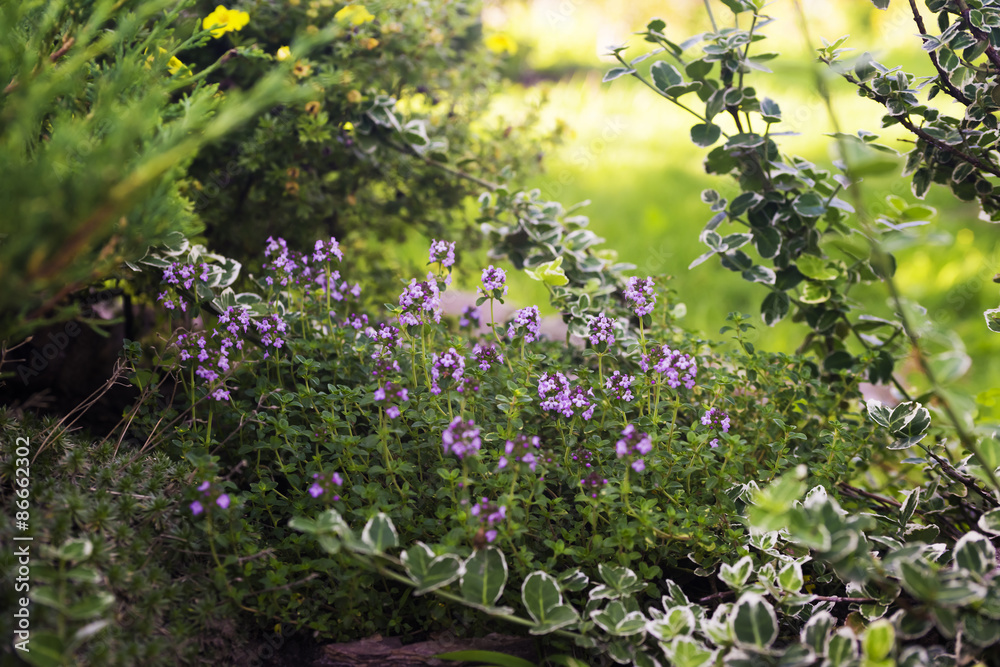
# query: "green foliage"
x,y
393,135
98,123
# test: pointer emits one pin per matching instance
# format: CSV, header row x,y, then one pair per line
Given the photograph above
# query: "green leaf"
x,y
45,650
864,69
993,319
540,592
705,135
813,292
790,577
878,412
676,621
558,617
75,549
688,652
842,648
735,576
755,624
428,572
550,273
486,658
665,75
990,522
770,110
617,72
817,630
93,605
975,553
881,4
379,533
774,308
484,577
909,419
817,268
809,205
878,640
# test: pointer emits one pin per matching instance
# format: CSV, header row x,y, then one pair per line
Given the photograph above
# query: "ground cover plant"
x,y
308,462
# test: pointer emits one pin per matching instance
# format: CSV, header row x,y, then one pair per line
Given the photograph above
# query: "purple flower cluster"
x,y
386,341
210,495
184,275
393,396
592,483
448,366
639,295
288,267
442,252
324,250
420,302
270,329
489,514
520,451
679,368
556,394
526,322
717,419
487,356
619,386
356,322
211,362
494,282
602,330
324,485
470,318
634,445
461,438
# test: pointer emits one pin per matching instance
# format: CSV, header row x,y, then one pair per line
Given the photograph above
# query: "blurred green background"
x,y
629,153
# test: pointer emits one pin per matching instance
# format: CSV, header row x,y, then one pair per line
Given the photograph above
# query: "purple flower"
x,y
602,330
677,367
324,484
221,394
487,356
521,449
222,501
717,419
461,438
593,483
196,508
557,395
420,302
494,280
634,445
526,322
470,318
450,365
639,295
619,386
443,252
393,395
489,515
210,495
323,250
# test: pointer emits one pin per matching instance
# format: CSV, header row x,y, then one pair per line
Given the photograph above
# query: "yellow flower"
x,y
354,96
312,108
302,70
284,53
175,65
501,43
225,20
371,43
354,15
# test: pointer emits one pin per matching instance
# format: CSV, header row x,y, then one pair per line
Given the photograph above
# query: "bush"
x,y
98,123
